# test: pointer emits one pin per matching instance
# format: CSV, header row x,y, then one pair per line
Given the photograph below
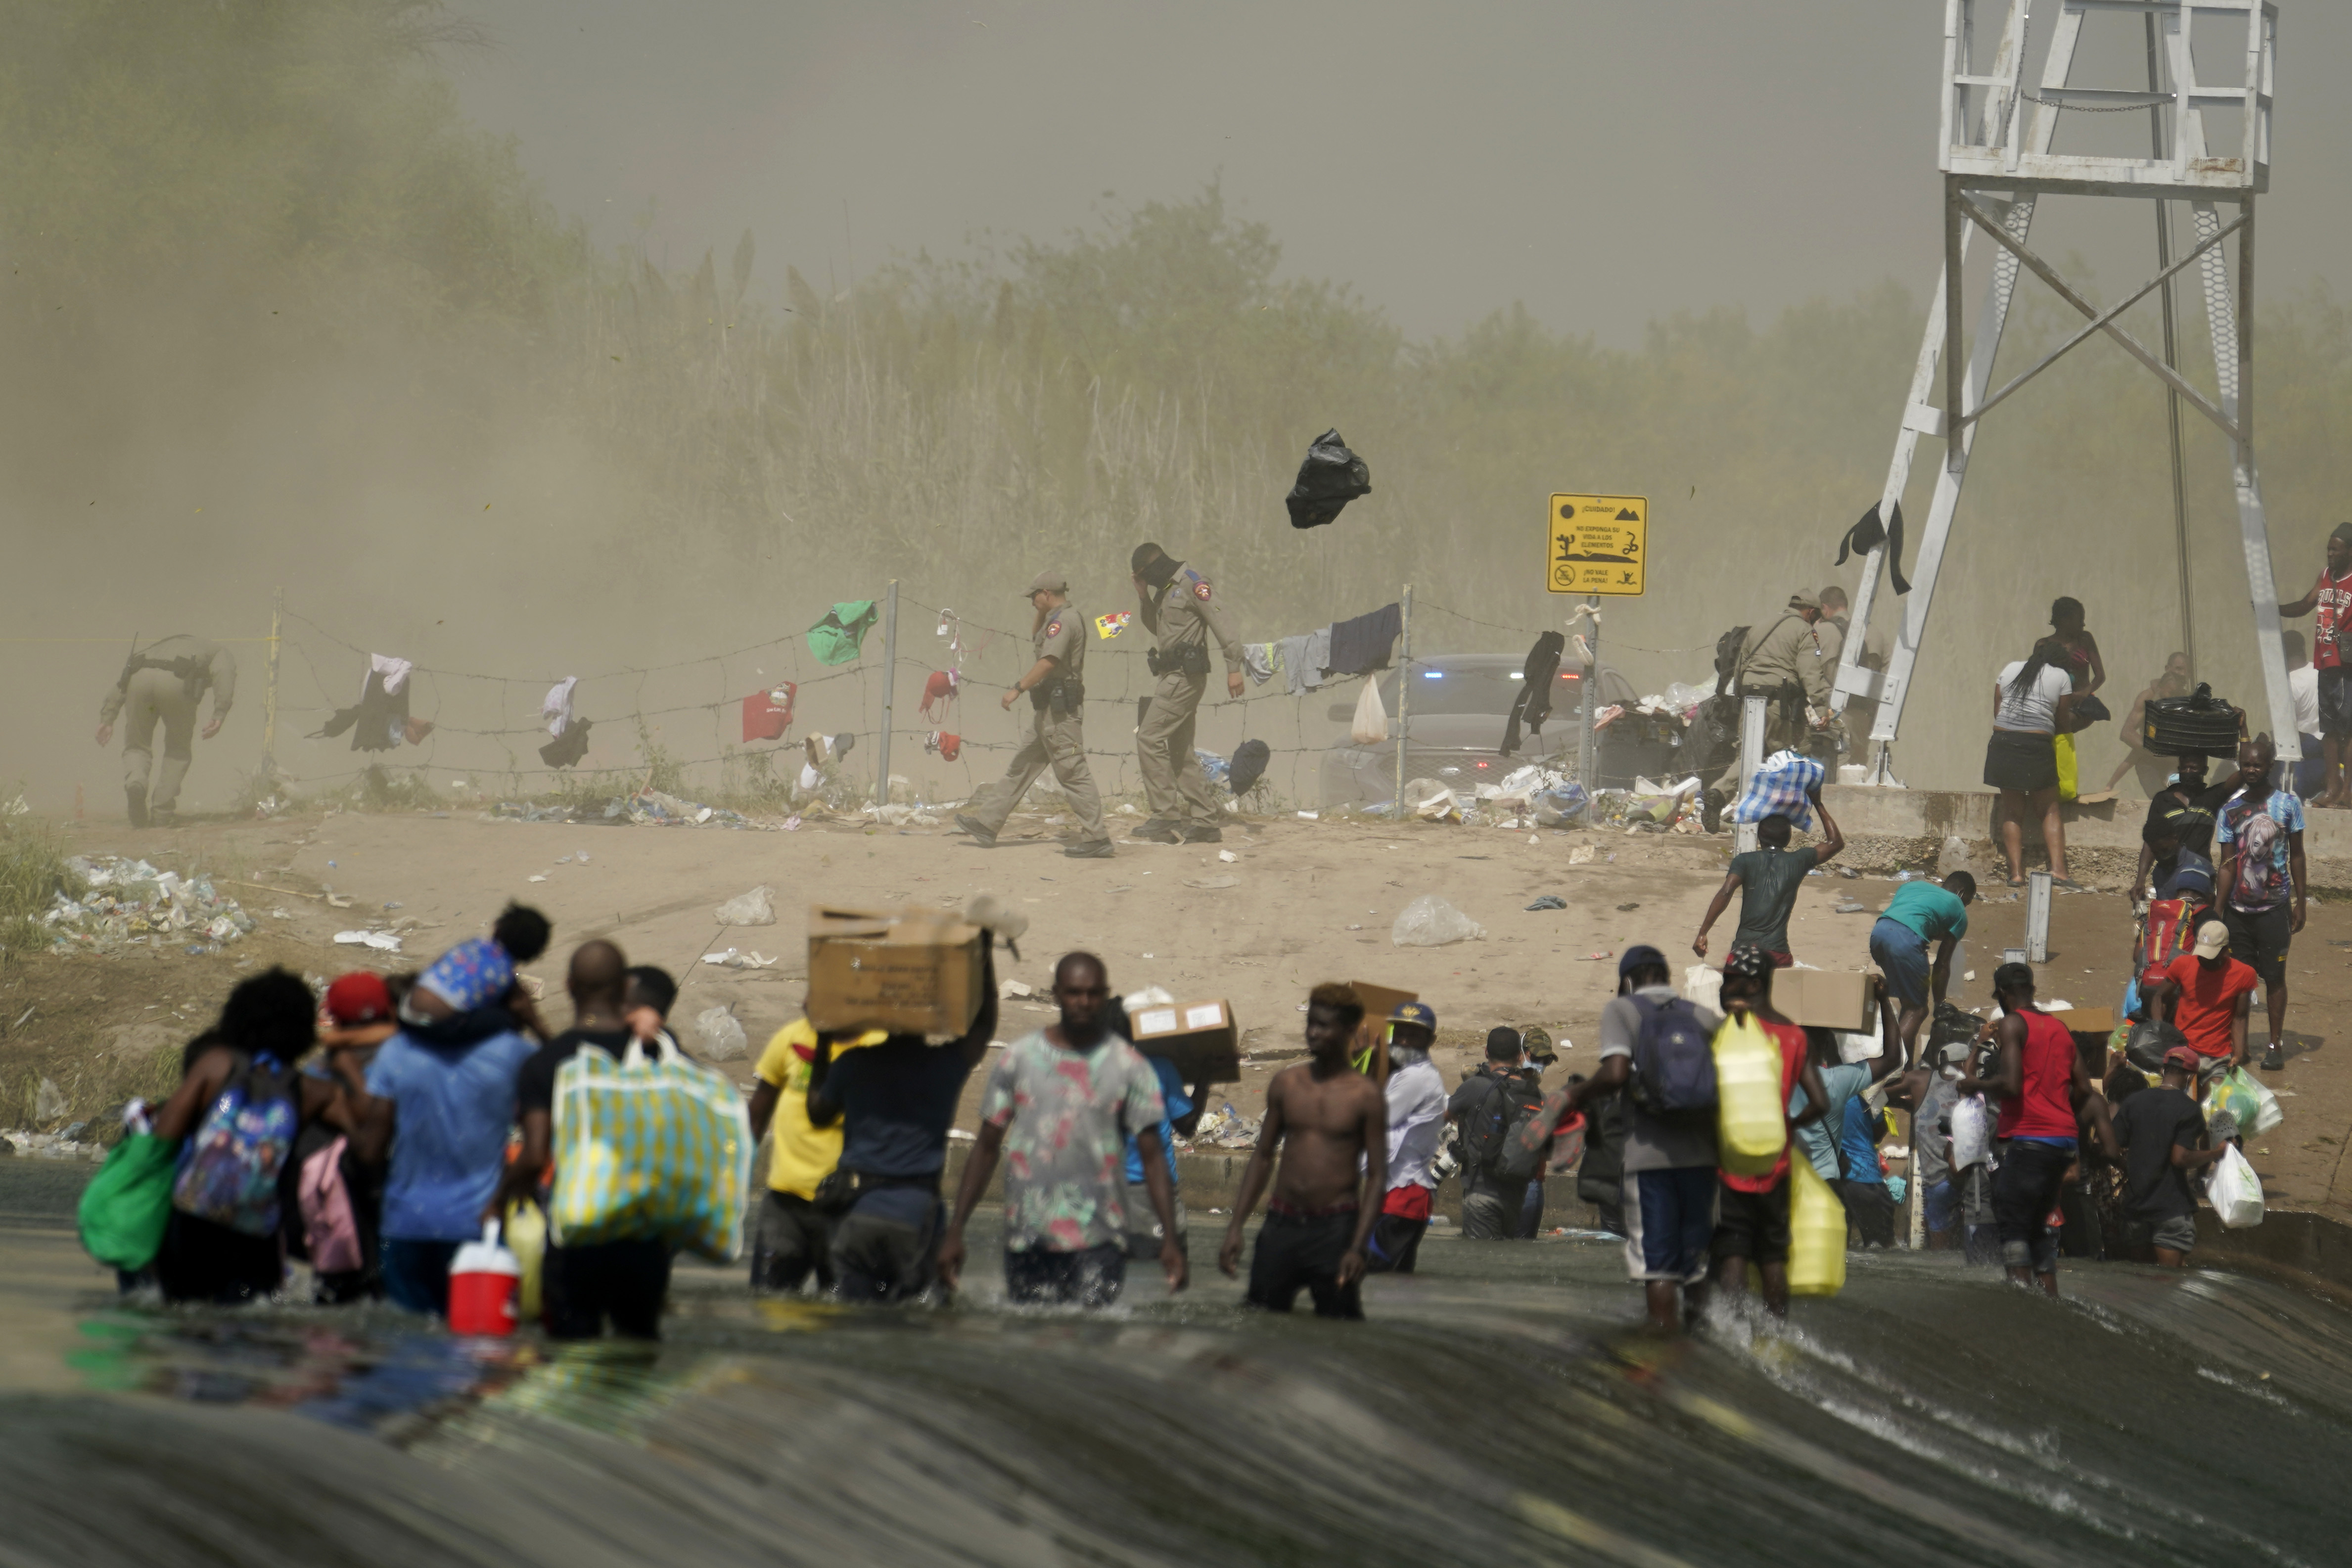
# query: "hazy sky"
x,y
1603,161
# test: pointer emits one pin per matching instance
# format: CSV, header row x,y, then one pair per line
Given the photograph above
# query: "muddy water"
x,y
1499,1408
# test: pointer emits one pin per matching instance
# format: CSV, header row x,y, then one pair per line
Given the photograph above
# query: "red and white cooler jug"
x,y
483,1279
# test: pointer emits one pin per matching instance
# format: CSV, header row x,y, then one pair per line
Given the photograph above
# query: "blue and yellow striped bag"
x,y
649,1149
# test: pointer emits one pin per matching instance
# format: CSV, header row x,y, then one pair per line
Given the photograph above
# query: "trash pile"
x,y
1649,807
651,806
132,902
1226,1128
66,1145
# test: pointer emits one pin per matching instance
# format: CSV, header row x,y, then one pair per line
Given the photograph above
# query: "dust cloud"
x,y
468,337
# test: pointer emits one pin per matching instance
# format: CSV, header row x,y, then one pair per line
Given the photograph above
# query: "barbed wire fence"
x,y
487,727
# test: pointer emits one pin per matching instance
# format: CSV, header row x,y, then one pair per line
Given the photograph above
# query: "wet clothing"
x,y
416,1274
897,1100
1750,1225
1064,1115
453,1108
624,1282
2046,1107
1043,1276
2149,1126
1185,617
1394,1246
1669,1223
887,1247
1302,1252
801,1153
1055,734
201,1260
2025,1192
793,1242
1175,1104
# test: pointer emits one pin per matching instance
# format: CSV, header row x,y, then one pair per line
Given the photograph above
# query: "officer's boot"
x,y
136,794
1203,833
1160,830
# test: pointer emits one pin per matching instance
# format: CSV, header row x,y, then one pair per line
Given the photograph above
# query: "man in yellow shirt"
x,y
792,1239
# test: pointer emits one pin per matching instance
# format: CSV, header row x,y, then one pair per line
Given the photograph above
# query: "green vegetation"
x,y
32,872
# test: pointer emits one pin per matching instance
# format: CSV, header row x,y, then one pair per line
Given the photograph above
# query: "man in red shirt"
x,y
2209,995
2332,597
2039,1078
1751,1216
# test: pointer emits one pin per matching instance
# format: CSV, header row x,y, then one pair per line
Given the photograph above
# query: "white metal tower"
x,y
1997,163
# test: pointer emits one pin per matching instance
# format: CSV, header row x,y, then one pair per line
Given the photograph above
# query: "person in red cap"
x,y
2163,1136
357,1015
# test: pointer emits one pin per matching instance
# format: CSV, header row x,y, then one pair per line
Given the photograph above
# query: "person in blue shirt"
x,y
1185,1108
1921,912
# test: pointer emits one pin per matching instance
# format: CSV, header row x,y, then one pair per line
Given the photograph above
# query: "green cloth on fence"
x,y
835,640
126,1205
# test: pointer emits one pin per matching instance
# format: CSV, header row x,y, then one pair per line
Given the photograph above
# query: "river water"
x,y
1499,1408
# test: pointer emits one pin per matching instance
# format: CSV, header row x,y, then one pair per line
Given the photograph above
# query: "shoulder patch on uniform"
x,y
1053,628
1200,589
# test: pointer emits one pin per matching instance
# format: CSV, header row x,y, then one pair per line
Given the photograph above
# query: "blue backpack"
x,y
1674,1064
230,1165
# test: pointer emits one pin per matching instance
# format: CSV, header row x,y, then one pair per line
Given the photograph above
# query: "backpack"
x,y
1727,649
330,1229
1487,1132
229,1170
1521,1156
1601,1179
2167,930
1674,1066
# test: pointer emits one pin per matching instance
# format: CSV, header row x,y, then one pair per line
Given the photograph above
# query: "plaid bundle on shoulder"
x,y
1780,785
649,1150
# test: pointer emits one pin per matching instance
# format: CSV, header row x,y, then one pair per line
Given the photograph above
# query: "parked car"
x,y
1453,729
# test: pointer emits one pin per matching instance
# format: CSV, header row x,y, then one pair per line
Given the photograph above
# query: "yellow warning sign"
x,y
1596,544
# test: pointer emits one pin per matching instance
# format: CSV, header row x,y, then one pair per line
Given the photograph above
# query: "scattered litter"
x,y
1628,909
336,900
1595,957
1549,901
791,824
48,1101
1430,921
582,858
564,860
752,909
1227,855
1013,990
1227,1129
1852,907
381,941
1580,855
731,959
534,878
130,901
1310,816
722,1038
1211,883
1849,873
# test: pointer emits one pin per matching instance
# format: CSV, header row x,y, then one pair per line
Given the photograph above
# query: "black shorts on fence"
x,y
2335,702
1753,1225
1301,1252
2025,1191
2021,760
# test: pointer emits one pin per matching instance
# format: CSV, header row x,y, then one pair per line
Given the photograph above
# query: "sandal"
x,y
2068,884
2017,881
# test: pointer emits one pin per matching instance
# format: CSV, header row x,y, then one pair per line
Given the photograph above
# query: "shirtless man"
x,y
1336,1123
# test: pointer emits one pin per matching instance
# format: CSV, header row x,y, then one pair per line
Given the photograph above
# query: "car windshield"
x,y
1488,688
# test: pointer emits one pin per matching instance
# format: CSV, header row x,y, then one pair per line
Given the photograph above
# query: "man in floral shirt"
x,y
1060,1108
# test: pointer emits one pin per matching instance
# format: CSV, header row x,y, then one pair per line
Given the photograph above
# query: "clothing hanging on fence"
x,y
1361,644
1867,534
947,746
938,693
768,714
835,640
556,706
1257,657
1110,626
378,721
566,750
1302,660
1249,765
1328,479
1532,705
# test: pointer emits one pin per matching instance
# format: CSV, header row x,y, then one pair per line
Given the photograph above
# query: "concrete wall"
x,y
1898,829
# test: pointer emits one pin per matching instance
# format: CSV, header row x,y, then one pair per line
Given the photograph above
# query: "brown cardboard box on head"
x,y
917,972
1841,999
1200,1037
1372,1033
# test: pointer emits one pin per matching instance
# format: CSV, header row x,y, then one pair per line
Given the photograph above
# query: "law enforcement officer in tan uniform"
x,y
1830,632
1783,664
164,682
1180,611
1055,687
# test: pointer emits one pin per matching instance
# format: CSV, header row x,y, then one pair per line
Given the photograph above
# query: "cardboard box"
x,y
917,972
1200,1037
1372,1033
1841,999
2099,1021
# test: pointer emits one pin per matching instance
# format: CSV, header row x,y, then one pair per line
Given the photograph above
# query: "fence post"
x,y
1404,702
1751,757
890,682
269,692
1587,752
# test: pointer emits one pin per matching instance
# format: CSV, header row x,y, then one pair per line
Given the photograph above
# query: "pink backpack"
x,y
328,1227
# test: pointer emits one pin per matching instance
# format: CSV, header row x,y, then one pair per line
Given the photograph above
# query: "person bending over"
x,y
1330,1121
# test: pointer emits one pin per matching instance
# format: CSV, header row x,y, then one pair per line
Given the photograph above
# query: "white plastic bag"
x,y
722,1038
1371,722
752,909
2235,1191
1971,1131
1430,921
1703,986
